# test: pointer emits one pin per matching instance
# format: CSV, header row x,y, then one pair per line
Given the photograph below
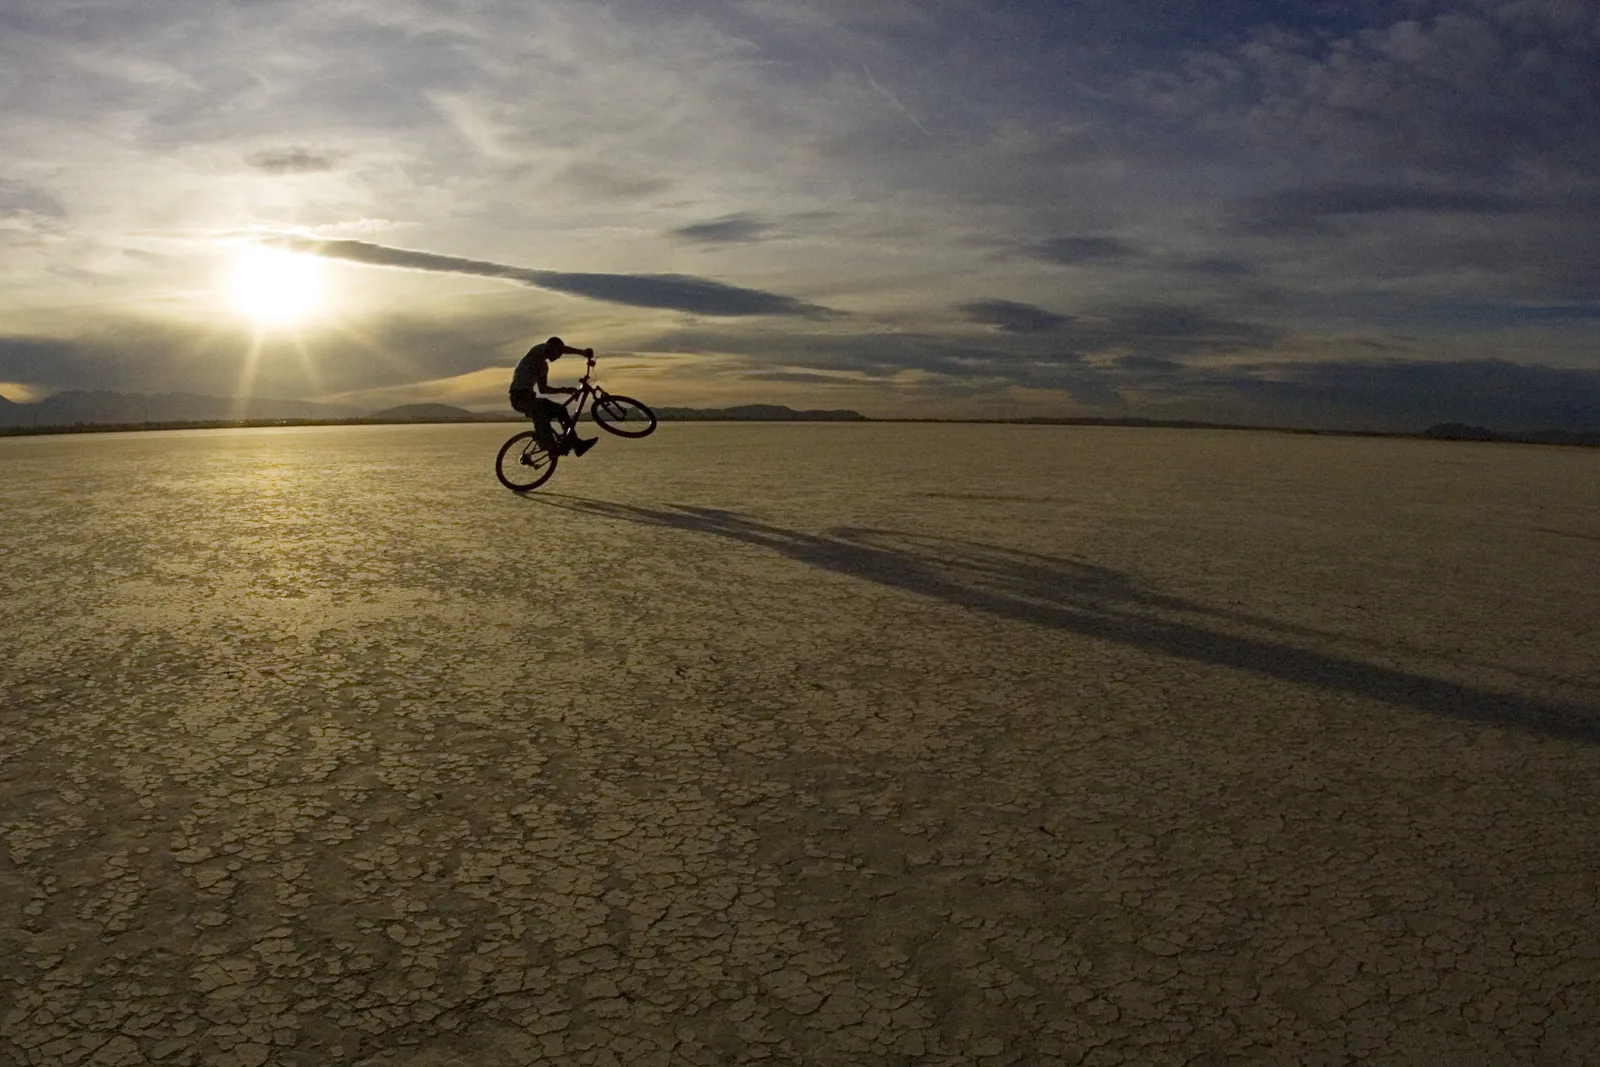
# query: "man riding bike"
x,y
531,378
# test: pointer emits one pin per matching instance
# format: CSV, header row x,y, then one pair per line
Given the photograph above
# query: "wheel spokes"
x,y
523,464
623,416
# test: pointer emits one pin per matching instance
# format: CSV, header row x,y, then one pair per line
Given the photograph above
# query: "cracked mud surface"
x,y
798,744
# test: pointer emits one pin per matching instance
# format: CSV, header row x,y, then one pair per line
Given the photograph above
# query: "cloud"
x,y
795,376
1216,267
1178,329
41,361
868,353
364,226
289,161
1170,160
25,199
729,229
611,182
401,353
1305,208
1395,393
895,102
1464,89
1067,349
678,292
1071,251
1148,364
147,355
1011,317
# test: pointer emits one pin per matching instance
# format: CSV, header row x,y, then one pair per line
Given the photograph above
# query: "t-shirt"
x,y
527,372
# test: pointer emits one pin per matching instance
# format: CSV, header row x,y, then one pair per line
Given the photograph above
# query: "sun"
x,y
274,287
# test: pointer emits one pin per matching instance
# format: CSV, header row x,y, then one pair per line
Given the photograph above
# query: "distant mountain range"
x,y
1444,431
744,413
761,413
103,408
77,408
434,413
1457,431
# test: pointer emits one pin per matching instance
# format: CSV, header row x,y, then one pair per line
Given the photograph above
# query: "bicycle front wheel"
x,y
623,416
523,463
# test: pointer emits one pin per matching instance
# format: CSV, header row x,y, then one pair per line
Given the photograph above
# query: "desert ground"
x,y
798,744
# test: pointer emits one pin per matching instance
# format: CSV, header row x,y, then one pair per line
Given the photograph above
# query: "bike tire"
x,y
522,464
623,416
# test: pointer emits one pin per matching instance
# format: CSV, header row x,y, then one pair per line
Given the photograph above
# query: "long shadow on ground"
x,y
1101,603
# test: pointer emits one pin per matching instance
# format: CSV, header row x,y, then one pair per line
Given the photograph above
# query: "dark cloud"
x,y
875,355
1307,208
139,355
802,377
1156,333
1070,251
679,292
729,229
1482,89
1148,364
1177,329
1093,389
41,361
1402,394
1400,313
1012,317
1216,267
289,161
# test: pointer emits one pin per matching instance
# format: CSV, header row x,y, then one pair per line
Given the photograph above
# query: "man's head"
x,y
554,347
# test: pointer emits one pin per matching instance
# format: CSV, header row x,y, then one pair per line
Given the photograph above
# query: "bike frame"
x,y
587,391
641,422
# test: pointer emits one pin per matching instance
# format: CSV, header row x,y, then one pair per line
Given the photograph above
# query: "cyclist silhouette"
x,y
531,378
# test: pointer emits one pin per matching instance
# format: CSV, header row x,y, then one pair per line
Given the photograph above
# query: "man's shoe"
x,y
583,445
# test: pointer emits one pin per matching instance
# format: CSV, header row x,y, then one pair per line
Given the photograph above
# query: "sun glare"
x,y
275,287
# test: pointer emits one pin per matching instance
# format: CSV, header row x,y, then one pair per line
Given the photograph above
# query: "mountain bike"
x,y
524,464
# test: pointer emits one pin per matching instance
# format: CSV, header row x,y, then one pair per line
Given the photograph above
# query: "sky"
x,y
1368,215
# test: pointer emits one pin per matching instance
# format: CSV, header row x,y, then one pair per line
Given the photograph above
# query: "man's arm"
x,y
541,379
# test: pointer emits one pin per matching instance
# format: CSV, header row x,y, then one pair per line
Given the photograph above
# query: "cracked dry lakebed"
x,y
798,744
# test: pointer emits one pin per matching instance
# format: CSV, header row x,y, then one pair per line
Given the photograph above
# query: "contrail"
x,y
895,100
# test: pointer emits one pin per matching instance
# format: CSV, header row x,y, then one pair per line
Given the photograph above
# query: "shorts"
x,y
538,408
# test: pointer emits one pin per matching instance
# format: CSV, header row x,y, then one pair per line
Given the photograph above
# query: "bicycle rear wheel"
x,y
623,416
523,463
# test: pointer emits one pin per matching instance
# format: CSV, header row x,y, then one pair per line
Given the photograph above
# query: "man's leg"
x,y
541,430
526,403
569,427
549,423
